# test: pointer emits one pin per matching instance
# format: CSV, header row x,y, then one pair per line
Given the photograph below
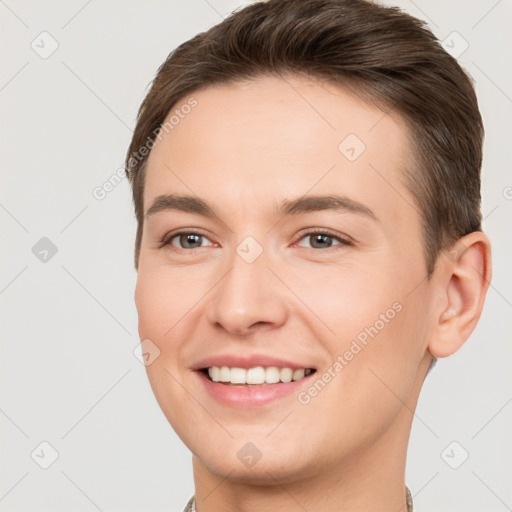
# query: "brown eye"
x,y
321,240
188,241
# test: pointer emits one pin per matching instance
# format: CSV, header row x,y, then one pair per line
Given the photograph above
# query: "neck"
x,y
371,479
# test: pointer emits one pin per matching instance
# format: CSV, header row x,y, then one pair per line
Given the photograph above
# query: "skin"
x,y
243,149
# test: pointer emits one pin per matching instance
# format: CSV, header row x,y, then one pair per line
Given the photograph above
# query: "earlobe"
x,y
469,275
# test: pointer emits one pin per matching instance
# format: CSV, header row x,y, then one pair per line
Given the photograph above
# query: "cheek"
x,y
162,298
345,299
370,319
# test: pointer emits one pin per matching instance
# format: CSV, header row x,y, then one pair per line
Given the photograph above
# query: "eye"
x,y
321,240
186,240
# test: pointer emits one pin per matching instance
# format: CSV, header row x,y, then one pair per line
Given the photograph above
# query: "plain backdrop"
x,y
73,75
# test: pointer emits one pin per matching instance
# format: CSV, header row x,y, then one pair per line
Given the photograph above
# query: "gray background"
x,y
69,327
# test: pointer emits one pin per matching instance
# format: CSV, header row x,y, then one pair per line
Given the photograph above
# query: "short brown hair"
x,y
388,57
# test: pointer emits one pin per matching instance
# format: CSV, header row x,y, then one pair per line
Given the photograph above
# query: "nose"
x,y
248,298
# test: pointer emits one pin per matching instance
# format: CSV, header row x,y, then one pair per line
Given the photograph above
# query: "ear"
x,y
468,270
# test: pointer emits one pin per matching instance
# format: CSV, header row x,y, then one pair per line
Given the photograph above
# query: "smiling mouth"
x,y
257,376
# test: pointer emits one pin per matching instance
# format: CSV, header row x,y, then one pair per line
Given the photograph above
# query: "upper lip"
x,y
249,361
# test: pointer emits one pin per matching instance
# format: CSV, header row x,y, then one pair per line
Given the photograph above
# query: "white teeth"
x,y
214,373
237,375
285,374
298,374
272,375
256,375
223,373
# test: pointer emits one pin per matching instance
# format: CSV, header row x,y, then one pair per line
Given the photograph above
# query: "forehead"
x,y
258,141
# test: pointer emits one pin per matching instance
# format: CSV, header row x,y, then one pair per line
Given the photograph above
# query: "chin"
x,y
248,464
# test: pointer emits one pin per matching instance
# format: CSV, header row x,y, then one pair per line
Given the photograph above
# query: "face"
x,y
280,242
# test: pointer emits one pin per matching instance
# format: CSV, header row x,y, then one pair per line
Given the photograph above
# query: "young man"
x,y
306,180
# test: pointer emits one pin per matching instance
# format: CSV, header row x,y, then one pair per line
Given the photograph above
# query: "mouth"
x,y
255,376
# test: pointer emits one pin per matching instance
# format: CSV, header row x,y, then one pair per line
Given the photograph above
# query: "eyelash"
x,y
343,241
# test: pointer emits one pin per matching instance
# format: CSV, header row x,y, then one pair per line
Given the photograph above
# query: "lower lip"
x,y
250,395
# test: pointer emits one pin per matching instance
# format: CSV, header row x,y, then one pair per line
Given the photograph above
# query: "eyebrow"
x,y
307,204
304,204
186,204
